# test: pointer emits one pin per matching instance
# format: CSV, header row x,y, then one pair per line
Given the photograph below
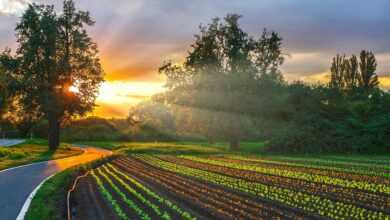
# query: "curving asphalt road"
x,y
10,142
17,183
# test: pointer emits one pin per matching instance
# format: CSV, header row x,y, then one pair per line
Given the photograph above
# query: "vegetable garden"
x,y
226,186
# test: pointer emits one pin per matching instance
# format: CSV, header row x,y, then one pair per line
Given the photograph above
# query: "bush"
x,y
91,129
4,152
17,155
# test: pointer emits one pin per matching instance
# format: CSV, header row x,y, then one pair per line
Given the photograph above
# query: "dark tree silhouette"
x,y
351,76
4,92
55,54
347,74
368,78
337,71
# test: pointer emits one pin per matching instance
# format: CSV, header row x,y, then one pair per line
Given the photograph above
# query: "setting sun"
x,y
116,97
74,89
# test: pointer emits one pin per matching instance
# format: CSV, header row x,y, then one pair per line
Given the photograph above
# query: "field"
x,y
189,182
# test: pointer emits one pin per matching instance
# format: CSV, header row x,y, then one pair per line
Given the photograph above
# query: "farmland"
x,y
212,184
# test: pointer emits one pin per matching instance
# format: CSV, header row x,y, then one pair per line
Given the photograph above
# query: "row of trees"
x,y
230,88
351,73
55,72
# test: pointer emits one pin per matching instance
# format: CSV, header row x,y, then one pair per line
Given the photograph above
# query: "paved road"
x,y
16,184
10,142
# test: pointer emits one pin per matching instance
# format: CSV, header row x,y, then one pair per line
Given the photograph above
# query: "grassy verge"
x,y
109,145
50,201
174,147
33,151
246,148
49,198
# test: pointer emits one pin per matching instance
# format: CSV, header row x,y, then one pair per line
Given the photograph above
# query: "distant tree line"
x,y
230,88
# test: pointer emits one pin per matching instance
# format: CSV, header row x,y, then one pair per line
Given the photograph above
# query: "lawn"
x,y
33,151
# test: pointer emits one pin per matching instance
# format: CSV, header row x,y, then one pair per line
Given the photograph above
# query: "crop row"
x,y
109,197
161,200
221,204
132,204
369,167
372,187
346,195
141,201
350,172
381,165
307,202
361,159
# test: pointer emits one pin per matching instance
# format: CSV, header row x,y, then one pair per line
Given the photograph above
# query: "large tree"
x,y
220,77
58,70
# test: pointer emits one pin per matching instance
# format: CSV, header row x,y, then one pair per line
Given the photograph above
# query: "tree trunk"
x,y
57,135
54,131
234,144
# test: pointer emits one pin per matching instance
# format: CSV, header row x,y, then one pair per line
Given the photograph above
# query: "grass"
x,y
174,147
246,148
167,148
109,145
33,151
44,205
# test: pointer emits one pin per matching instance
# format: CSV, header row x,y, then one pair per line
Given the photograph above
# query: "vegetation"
x,y
192,181
45,202
49,203
55,72
230,186
33,151
218,80
230,88
230,138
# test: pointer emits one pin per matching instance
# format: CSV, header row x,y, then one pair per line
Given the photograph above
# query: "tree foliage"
x,y
351,73
219,78
54,54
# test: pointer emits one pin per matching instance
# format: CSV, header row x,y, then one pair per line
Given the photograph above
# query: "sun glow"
x,y
74,89
116,97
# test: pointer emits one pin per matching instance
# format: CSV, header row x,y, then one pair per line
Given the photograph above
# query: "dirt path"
x,y
17,183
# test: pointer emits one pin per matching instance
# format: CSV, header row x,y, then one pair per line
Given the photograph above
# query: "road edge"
x,y
25,165
26,205
39,162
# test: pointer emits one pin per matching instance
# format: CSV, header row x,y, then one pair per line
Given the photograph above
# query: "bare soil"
x,y
89,204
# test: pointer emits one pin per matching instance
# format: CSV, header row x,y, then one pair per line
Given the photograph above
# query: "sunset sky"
x,y
136,36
